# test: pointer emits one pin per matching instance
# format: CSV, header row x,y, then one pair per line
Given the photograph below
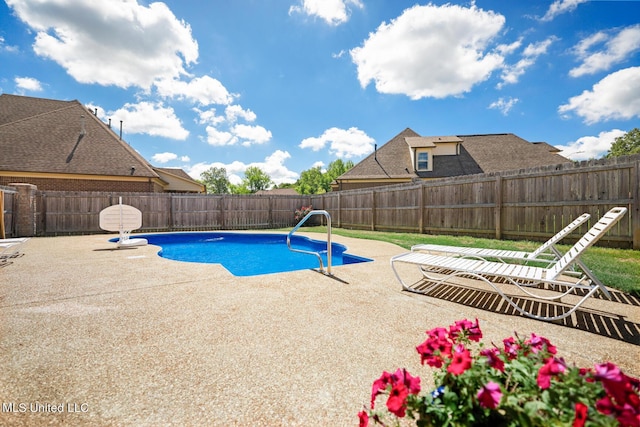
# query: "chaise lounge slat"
x,y
440,269
545,253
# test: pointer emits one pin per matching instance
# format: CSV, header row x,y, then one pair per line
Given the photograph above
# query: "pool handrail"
x,y
307,216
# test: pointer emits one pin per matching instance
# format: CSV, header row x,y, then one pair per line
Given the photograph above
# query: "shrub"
x,y
299,214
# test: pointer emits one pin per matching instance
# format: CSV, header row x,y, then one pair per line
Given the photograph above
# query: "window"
x,y
423,161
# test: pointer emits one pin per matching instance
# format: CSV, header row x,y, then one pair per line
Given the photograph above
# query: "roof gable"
x,y
392,160
48,136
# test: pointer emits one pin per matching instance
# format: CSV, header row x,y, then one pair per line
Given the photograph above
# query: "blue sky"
x,y
287,85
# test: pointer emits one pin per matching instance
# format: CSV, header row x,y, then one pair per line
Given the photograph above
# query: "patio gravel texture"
x,y
126,338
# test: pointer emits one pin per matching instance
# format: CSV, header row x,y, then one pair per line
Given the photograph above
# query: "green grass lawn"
x,y
617,268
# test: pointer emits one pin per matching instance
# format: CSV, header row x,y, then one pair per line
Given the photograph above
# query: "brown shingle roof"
x,y
478,154
392,160
177,172
44,135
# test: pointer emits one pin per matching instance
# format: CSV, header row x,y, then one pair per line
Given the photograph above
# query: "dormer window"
x,y
422,161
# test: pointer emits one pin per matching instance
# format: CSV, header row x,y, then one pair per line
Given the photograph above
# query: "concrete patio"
x,y
93,336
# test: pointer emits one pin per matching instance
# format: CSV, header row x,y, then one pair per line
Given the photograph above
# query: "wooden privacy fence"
x,y
77,212
530,204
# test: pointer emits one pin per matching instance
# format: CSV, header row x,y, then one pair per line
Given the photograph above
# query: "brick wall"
x,y
85,185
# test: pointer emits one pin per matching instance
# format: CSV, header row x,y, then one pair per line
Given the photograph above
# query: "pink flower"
x,y
397,402
511,348
538,343
581,415
379,386
460,361
412,383
553,366
623,400
402,384
608,372
489,395
435,348
363,417
471,329
494,361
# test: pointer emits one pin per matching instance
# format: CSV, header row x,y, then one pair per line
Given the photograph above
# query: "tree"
x,y
255,179
239,188
625,145
314,181
337,168
216,181
311,181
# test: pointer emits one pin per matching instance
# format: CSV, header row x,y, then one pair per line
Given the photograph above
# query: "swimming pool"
x,y
249,254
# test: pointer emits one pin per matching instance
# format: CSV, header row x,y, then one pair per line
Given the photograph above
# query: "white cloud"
x,y
251,134
615,97
28,84
164,157
333,12
150,118
6,48
273,166
343,143
235,112
559,7
590,147
123,44
208,117
430,51
218,138
615,50
511,74
504,104
223,130
202,90
185,159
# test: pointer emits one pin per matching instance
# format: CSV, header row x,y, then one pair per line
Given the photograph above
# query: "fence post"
x,y
421,207
339,209
171,212
26,209
222,205
498,208
2,228
635,211
373,210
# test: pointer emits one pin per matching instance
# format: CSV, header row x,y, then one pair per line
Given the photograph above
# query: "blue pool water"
x,y
249,254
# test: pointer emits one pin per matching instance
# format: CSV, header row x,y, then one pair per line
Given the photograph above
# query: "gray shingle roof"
x,y
44,135
478,154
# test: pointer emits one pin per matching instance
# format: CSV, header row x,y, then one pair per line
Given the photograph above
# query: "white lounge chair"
x,y
123,219
546,253
10,248
439,269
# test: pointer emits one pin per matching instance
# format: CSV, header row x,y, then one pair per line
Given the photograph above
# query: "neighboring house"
x,y
278,192
61,145
409,157
178,181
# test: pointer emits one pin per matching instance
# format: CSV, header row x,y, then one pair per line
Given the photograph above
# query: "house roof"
x,y
478,154
178,180
278,192
429,141
50,136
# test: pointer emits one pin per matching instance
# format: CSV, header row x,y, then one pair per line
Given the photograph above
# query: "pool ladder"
x,y
309,215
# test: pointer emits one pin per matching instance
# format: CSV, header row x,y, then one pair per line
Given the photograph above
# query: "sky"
x,y
287,85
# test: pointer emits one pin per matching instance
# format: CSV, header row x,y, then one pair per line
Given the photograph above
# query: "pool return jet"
x,y
309,215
